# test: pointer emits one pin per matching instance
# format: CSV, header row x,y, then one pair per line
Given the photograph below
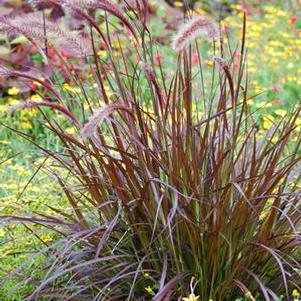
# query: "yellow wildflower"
x,y
102,53
298,122
35,97
117,44
67,88
178,4
235,7
12,101
295,294
26,125
209,63
267,122
13,91
147,39
191,297
4,142
3,109
280,112
149,290
200,11
37,83
46,237
108,91
71,130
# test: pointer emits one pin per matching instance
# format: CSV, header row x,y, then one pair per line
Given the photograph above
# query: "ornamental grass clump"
x,y
166,179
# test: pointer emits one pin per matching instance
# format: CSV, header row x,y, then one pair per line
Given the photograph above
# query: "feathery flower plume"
x,y
32,27
221,62
89,131
79,5
225,66
198,26
36,104
9,26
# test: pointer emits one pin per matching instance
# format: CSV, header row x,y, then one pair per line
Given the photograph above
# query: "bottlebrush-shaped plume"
x,y
89,131
221,62
8,26
199,26
80,5
32,27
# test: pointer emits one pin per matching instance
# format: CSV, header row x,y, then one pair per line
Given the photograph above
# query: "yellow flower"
x,y
3,109
280,112
149,290
237,7
108,91
200,11
267,122
12,101
117,44
67,88
4,142
26,125
35,97
37,83
46,237
71,130
13,91
178,4
102,53
209,63
147,39
295,293
2,232
191,297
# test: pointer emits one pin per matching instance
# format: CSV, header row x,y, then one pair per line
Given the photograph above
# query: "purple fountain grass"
x,y
78,6
89,131
104,5
34,36
198,26
32,27
223,64
171,195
